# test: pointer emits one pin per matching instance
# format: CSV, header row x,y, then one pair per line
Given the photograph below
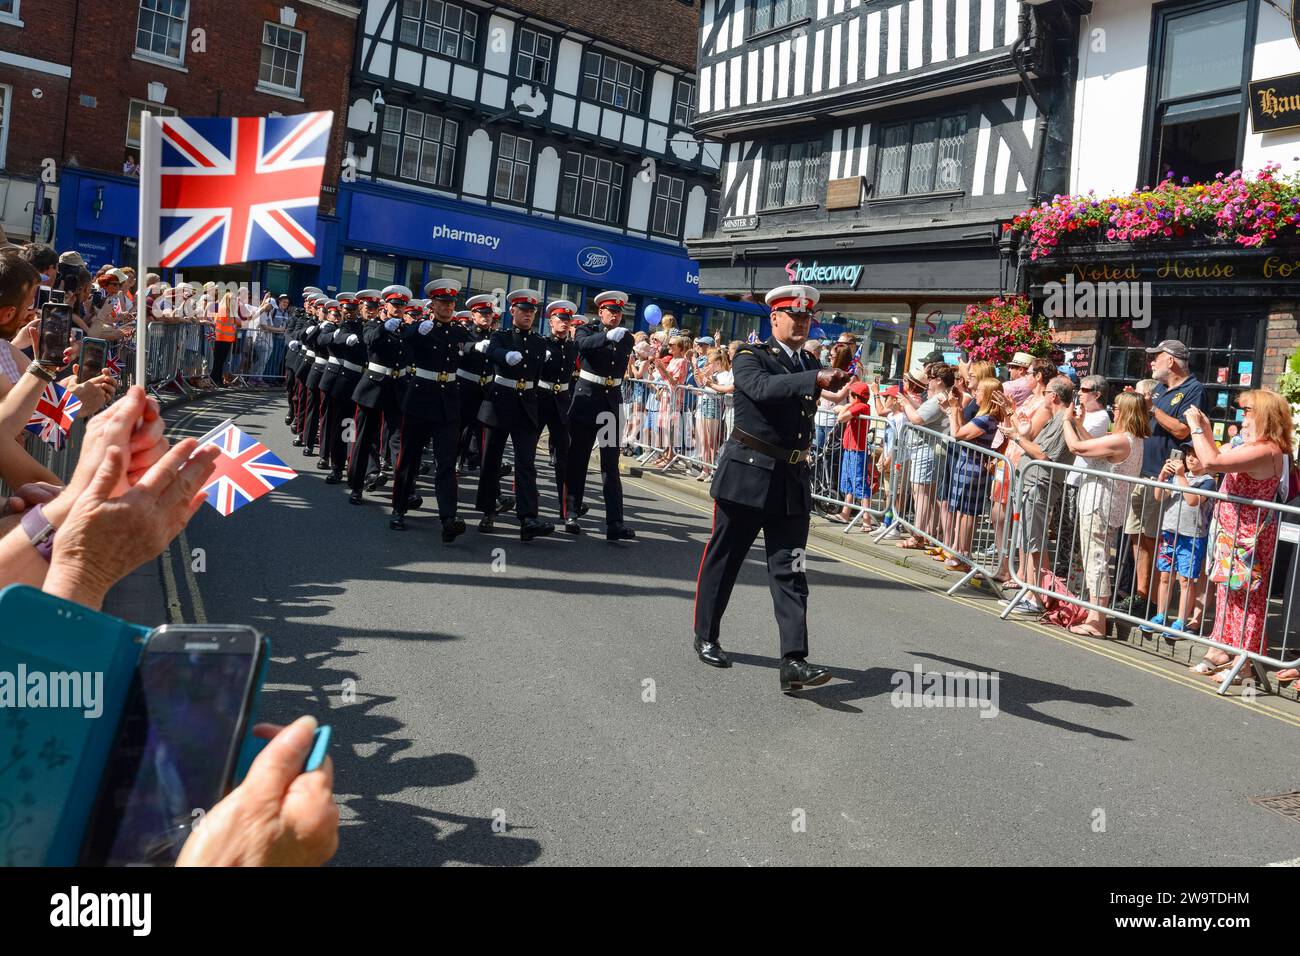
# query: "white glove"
x,y
310,330
481,347
293,344
392,325
426,326
616,334
353,340
514,358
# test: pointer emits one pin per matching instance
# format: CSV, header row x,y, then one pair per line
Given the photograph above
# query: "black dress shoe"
x,y
582,510
376,481
505,504
619,532
533,528
309,452
397,522
288,419
796,675
414,503
297,442
323,465
333,478
424,468
487,524
452,528
355,498
507,469
711,653
571,525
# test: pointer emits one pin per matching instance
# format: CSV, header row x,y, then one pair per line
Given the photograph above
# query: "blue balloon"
x,y
816,332
653,314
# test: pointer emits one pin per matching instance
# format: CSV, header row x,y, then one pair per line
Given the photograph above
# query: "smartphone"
x,y
91,362
1176,455
56,324
45,294
178,742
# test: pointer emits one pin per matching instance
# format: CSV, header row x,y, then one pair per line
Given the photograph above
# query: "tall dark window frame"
x,y
921,155
419,147
669,207
534,53
592,188
441,27
793,174
612,82
1197,106
513,169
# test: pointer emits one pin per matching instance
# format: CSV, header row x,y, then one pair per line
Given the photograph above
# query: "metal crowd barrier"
x,y
258,357
1094,549
839,475
942,491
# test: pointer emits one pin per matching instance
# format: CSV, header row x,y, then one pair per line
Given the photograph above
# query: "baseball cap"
x,y
1171,347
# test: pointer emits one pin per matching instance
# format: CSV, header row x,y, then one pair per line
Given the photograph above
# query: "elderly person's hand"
x,y
279,816
1196,418
135,425
106,536
94,393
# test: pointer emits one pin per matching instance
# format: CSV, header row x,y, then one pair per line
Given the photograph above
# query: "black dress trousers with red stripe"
x,y
775,400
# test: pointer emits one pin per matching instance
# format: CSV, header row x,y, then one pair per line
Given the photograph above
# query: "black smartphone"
x,y
91,363
56,326
178,742
44,294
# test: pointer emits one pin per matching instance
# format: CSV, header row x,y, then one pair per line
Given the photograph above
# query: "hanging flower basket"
x,y
995,330
1247,212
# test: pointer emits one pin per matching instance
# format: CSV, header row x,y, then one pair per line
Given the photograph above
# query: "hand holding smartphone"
x,y
94,353
56,325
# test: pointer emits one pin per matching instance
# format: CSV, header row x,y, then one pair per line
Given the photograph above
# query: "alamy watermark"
x,y
72,690
921,688
1073,299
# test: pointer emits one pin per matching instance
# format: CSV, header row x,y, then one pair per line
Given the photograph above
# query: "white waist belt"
x,y
381,369
351,366
469,376
309,353
433,376
321,361
599,379
335,361
554,387
512,383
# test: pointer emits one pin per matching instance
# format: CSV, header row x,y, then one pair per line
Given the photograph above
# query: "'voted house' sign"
x,y
595,261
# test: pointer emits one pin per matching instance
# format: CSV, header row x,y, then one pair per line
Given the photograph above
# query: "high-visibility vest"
x,y
225,327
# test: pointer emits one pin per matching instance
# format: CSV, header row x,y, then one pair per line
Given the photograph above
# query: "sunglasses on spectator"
x,y
1085,388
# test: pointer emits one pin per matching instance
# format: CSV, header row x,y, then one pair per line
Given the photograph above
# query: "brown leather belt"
x,y
788,455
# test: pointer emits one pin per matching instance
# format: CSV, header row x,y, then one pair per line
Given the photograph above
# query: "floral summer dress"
x,y
1239,616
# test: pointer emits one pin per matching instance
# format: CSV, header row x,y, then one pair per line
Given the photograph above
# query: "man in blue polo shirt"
x,y
1177,390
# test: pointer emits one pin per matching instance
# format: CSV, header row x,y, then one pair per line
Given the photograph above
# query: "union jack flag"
x,y
55,411
233,189
753,338
246,470
856,365
113,364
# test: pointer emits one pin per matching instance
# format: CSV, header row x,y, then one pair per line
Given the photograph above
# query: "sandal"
x,y
1289,674
952,564
1082,630
1206,666
836,518
910,545
934,552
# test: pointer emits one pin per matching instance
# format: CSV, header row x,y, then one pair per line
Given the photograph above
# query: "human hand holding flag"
x,y
55,411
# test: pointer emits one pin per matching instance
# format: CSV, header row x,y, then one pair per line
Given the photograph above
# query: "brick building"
x,y
99,65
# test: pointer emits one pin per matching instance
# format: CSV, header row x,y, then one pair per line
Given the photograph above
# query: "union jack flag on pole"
x,y
224,190
245,470
55,412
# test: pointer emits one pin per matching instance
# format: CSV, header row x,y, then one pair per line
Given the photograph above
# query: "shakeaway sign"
x,y
520,245
816,274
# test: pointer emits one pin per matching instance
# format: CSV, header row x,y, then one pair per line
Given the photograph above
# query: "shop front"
x,y
899,292
1234,308
393,235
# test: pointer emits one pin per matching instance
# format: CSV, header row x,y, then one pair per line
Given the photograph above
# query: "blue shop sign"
x,y
520,245
98,250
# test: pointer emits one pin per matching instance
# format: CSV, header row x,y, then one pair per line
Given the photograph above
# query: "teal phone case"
x,y
52,758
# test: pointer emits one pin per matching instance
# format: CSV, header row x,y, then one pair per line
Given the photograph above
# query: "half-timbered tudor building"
x,y
874,147
532,142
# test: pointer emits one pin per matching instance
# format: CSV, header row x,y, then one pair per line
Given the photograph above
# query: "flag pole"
x,y
149,157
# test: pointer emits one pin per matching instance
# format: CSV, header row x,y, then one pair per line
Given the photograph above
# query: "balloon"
x,y
816,332
653,314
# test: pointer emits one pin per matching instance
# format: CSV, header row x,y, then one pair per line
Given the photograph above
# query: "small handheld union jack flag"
x,y
855,367
56,409
245,470
223,190
753,338
113,364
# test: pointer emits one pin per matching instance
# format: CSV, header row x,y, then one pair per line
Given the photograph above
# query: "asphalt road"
x,y
540,703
